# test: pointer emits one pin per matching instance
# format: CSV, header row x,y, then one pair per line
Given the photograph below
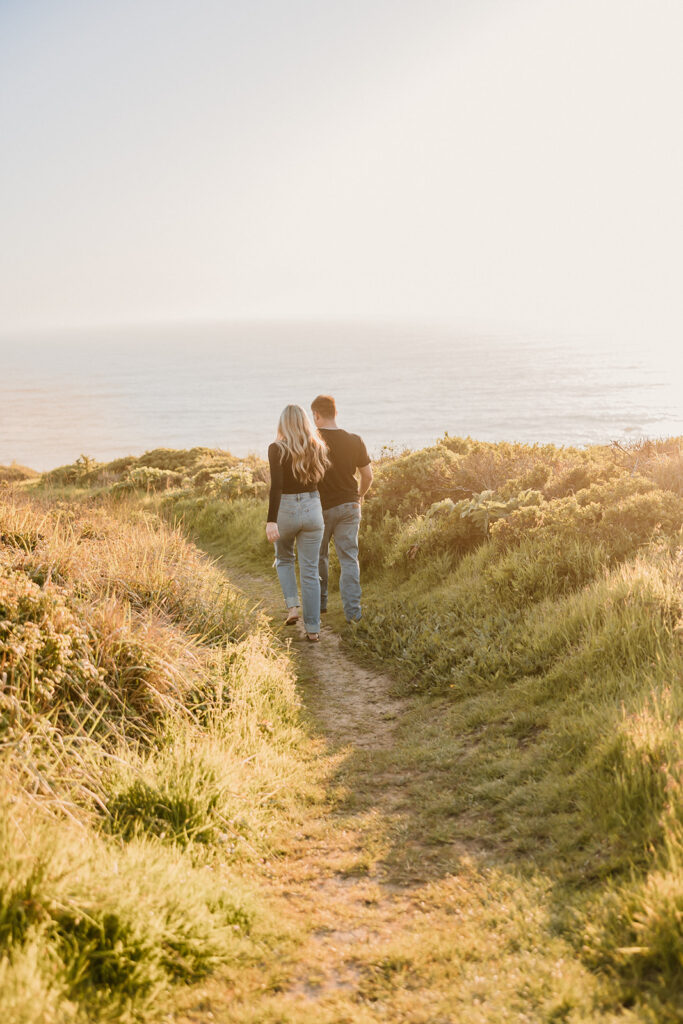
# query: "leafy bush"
x,y
179,460
81,472
411,483
458,468
208,472
238,482
150,478
486,466
621,515
450,528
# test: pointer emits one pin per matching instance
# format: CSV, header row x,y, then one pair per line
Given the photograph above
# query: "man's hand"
x,y
272,532
365,473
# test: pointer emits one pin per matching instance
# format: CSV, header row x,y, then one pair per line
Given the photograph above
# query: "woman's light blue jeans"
x,y
300,519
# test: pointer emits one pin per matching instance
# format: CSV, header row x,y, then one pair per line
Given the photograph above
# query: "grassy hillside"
x,y
151,756
531,599
540,593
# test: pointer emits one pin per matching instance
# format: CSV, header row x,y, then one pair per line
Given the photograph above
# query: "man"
x,y
340,496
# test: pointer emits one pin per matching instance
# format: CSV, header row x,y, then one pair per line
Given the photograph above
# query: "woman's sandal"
x,y
291,620
313,637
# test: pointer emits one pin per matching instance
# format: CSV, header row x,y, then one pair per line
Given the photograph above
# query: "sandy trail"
x,y
351,704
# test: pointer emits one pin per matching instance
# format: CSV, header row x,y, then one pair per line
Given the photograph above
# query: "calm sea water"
x,y
111,393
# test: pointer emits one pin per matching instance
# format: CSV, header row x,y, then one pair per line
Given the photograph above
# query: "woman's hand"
x,y
272,532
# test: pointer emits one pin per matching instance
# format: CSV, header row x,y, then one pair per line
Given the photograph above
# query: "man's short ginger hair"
x,y
325,406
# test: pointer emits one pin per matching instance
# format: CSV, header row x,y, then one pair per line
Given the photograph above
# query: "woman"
x,y
298,460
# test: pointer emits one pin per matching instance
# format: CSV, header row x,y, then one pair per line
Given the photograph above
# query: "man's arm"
x,y
365,473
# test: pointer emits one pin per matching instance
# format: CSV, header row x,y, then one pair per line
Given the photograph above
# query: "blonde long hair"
x,y
295,435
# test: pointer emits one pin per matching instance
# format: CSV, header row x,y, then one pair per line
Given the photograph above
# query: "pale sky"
x,y
505,163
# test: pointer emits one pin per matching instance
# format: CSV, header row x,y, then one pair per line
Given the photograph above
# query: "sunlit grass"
x,y
151,750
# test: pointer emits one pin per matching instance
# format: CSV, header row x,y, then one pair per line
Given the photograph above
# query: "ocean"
x,y
106,393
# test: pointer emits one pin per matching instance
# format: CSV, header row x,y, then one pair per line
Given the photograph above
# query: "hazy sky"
x,y
505,163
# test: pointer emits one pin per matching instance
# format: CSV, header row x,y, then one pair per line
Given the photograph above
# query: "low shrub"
x,y
14,473
412,482
197,470
83,472
149,479
238,482
621,515
179,460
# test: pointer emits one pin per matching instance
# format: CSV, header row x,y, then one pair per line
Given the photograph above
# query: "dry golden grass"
x,y
151,753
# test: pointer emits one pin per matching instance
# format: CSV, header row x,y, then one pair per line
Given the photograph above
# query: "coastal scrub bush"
x,y
451,528
238,482
149,478
412,482
199,470
484,465
621,515
177,460
458,468
82,472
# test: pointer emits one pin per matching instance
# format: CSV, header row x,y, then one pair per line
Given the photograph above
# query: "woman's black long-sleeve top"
x,y
282,480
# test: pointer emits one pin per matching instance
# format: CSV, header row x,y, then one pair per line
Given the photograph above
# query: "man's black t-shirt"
x,y
347,454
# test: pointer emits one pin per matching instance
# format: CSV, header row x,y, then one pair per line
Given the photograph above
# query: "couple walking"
x,y
314,498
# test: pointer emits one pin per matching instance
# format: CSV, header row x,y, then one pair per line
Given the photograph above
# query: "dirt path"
x,y
351,704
